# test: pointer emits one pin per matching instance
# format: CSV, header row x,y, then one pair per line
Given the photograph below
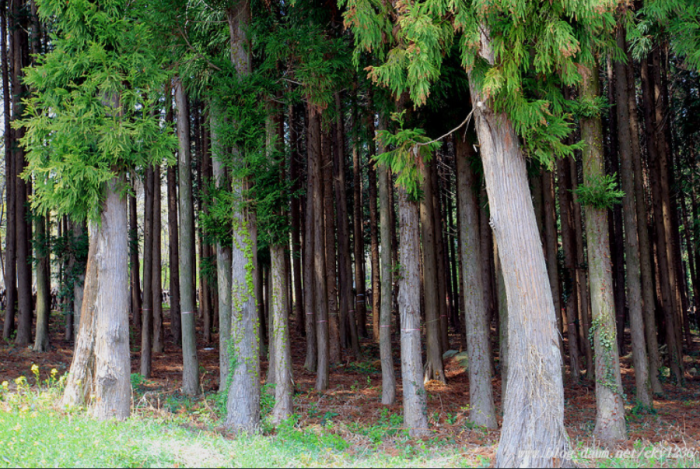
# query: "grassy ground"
x,y
177,431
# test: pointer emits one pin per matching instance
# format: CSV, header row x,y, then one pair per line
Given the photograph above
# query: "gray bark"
x,y
279,340
482,410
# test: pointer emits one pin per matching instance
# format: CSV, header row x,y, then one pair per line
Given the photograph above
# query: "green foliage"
x,y
600,192
411,150
93,112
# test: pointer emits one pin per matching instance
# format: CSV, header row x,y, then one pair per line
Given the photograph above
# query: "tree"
x,y
99,126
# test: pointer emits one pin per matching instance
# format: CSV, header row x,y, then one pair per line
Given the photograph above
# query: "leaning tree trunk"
x,y
610,411
629,205
414,396
533,421
279,339
482,410
387,361
433,359
190,364
112,354
223,258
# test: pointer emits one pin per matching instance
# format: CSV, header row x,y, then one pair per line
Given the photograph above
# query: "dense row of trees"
x,y
518,179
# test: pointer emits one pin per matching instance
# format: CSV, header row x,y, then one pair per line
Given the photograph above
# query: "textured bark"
x,y
503,324
279,340
223,258
533,421
433,360
135,280
610,411
156,277
80,381
112,355
634,281
569,244
309,248
79,231
43,285
330,276
373,230
659,225
482,410
190,364
147,318
414,396
173,252
319,267
20,59
387,361
295,176
358,244
347,309
243,409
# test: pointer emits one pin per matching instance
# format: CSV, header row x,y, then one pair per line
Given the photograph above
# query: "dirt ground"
x,y
355,392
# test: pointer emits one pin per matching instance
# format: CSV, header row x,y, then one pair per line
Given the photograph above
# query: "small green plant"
x,y
137,380
451,419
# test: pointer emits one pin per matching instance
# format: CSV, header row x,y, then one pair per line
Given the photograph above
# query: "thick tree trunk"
x,y
112,354
660,232
385,355
279,340
533,422
190,364
433,360
43,286
156,277
331,277
223,259
610,415
147,319
482,410
244,394
414,396
634,282
569,245
347,308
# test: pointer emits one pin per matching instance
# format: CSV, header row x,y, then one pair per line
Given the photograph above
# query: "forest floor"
x,y
347,425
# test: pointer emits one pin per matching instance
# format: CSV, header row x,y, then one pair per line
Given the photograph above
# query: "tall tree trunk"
x,y
503,321
79,235
173,241
347,308
10,272
295,176
20,57
533,421
387,360
358,240
43,285
279,340
660,232
244,394
147,319
414,396
223,256
433,360
482,410
156,277
135,279
330,275
112,354
309,249
610,411
374,239
569,245
190,364
320,288
439,258
634,281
